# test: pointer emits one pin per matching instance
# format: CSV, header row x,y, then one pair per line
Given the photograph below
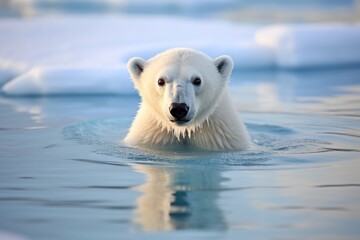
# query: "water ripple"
x,y
100,162
94,204
272,141
298,207
338,185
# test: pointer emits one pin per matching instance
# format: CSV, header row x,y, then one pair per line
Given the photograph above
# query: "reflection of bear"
x,y
185,101
179,197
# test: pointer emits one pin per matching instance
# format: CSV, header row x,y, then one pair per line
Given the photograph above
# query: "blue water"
x,y
65,174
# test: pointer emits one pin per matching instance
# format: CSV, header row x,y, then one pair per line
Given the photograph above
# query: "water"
x,y
64,173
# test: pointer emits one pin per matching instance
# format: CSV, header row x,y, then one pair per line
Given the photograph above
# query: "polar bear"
x,y
185,101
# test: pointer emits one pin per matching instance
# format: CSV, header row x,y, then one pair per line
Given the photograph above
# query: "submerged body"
x,y
185,100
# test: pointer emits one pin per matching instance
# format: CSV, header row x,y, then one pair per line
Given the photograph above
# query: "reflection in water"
x,y
178,198
344,104
315,90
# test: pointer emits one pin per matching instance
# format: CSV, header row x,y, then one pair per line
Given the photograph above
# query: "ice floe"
x,y
88,55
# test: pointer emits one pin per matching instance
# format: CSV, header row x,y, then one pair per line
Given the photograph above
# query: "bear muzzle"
x,y
179,111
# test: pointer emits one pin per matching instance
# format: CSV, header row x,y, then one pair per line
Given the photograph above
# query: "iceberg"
x,y
88,55
71,81
312,45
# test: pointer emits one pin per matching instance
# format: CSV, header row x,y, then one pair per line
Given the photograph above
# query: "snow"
x,y
88,55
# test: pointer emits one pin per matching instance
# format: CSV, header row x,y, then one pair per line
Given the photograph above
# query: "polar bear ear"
x,y
224,65
136,66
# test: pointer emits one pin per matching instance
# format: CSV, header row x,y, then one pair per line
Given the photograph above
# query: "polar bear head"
x,y
181,86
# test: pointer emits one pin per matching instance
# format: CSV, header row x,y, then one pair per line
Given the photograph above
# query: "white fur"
x,y
214,123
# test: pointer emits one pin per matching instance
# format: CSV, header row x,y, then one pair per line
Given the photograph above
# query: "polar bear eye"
x,y
197,81
161,82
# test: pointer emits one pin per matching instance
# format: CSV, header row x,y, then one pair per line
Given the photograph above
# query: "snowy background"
x,y
82,46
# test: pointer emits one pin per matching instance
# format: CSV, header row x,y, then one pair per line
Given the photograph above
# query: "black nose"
x,y
179,110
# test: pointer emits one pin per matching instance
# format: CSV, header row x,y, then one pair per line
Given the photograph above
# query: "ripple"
x,y
342,134
100,162
273,129
272,142
338,185
23,128
94,204
104,187
296,207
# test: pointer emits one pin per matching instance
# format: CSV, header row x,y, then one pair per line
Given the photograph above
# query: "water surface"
x,y
64,173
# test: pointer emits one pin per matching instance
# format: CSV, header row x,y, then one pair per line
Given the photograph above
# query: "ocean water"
x,y
64,173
